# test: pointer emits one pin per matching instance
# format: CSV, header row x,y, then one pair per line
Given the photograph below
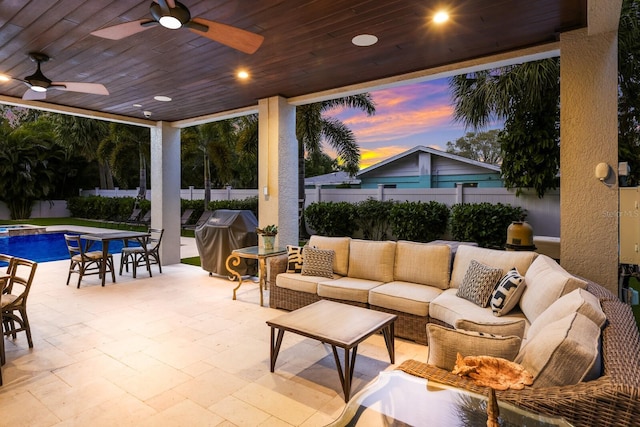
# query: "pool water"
x,y
46,246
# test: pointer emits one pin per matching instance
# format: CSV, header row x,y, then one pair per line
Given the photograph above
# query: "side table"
x,y
252,252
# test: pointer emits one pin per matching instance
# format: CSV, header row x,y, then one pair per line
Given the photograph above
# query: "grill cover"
x,y
225,231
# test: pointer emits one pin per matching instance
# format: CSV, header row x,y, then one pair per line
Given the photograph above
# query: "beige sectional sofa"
x,y
579,342
416,281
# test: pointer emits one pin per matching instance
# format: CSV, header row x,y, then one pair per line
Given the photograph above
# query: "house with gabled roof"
x,y
425,167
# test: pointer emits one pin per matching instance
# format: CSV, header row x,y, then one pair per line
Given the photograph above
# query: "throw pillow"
x,y
318,262
505,328
507,293
478,283
295,259
445,344
563,353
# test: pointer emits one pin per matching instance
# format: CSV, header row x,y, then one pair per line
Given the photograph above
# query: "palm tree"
x,y
216,141
121,141
527,97
83,136
30,165
312,127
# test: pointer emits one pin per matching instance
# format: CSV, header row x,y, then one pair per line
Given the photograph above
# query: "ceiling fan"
x,y
174,15
38,83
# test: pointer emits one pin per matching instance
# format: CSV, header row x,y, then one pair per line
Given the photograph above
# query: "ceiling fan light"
x,y
37,88
170,22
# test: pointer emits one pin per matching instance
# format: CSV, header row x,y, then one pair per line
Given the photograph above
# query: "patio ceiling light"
x,y
441,17
364,40
162,98
4,78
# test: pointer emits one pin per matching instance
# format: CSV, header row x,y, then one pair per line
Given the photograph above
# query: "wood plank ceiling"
x,y
307,47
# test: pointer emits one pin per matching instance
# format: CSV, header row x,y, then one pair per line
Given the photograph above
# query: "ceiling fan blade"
x,y
32,95
242,40
121,31
93,88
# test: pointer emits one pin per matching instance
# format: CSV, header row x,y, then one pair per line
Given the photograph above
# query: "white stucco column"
x,y
165,189
278,168
589,136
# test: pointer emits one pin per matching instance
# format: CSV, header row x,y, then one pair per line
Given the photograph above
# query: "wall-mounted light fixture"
x,y
603,172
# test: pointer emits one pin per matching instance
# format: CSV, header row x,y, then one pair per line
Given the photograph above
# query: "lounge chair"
x,y
203,218
146,218
186,215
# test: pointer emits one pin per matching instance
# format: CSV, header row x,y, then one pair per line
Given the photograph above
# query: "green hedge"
x,y
120,208
419,221
483,223
332,218
372,217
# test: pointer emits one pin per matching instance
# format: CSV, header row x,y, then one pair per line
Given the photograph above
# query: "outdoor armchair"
x,y
143,255
13,300
85,263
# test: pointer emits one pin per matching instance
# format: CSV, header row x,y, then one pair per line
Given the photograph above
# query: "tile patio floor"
x,y
172,350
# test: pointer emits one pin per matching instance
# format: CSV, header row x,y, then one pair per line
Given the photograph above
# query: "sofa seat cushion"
x,y
506,260
347,288
372,260
445,344
340,245
577,301
449,308
563,353
298,282
546,281
422,263
406,297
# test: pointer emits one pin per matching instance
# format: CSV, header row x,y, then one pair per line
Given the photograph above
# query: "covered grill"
x,y
225,231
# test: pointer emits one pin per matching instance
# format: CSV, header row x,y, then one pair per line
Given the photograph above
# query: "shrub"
x,y
483,223
419,221
332,218
372,217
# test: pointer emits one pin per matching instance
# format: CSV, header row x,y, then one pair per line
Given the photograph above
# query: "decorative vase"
x,y
268,241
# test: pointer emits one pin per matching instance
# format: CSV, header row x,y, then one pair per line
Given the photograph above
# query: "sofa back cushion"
x,y
340,245
546,282
372,260
505,260
422,263
563,353
445,344
577,301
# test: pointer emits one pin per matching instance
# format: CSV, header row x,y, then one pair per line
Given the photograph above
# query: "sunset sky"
x,y
406,116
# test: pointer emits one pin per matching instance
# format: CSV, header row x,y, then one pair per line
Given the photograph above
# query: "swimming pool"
x,y
46,246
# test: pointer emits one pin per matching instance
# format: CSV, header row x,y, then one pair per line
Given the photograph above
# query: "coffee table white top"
x,y
337,324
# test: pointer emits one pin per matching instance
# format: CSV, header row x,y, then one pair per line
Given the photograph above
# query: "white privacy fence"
x,y
543,214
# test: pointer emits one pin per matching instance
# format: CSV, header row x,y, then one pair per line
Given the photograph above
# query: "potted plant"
x,y
268,234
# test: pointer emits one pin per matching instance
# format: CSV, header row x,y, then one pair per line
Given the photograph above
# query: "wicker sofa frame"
x,y
611,400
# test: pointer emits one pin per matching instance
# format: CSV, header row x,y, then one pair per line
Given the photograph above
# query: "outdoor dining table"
x,y
104,238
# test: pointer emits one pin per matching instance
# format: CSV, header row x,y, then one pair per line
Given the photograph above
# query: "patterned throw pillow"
x,y
478,283
294,264
318,262
507,293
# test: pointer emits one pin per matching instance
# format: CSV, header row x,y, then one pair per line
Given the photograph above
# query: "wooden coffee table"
x,y
336,324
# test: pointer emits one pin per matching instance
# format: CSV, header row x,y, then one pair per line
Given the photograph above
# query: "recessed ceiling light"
x,y
137,105
162,98
4,78
242,74
440,17
364,40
